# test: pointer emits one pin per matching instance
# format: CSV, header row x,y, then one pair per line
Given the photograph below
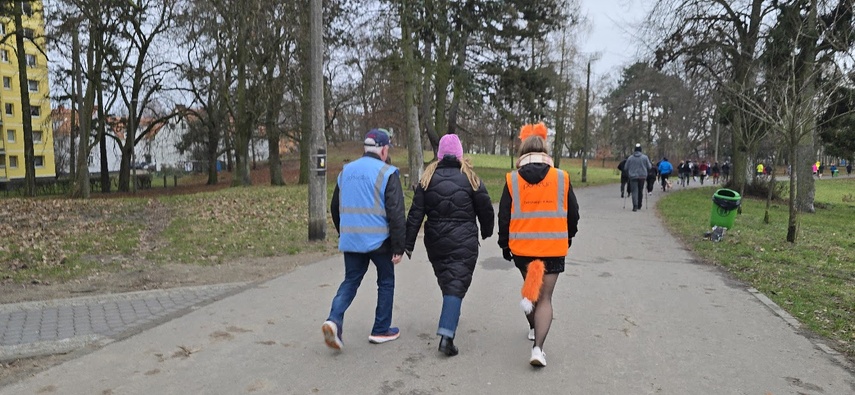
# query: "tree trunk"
x,y
739,159
213,145
272,130
26,114
414,138
73,130
86,106
102,143
318,180
458,82
243,123
442,79
807,144
792,222
425,111
561,107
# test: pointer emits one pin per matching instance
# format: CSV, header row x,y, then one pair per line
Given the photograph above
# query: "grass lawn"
x,y
813,279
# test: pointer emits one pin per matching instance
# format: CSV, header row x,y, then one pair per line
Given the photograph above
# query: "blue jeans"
x,y
355,267
450,315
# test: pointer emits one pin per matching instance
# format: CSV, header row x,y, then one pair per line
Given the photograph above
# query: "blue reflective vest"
x,y
362,205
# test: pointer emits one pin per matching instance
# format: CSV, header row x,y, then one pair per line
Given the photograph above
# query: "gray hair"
x,y
373,149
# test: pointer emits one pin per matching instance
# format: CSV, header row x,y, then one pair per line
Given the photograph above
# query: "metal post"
x,y
585,144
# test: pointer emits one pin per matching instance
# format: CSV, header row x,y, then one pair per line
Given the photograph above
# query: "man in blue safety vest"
x,y
367,209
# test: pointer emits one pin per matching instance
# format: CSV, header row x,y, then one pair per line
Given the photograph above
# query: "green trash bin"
x,y
725,203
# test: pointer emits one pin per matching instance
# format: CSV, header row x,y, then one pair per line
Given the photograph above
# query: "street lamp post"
x,y
585,141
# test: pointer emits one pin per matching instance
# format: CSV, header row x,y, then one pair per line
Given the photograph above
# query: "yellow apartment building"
x,y
11,120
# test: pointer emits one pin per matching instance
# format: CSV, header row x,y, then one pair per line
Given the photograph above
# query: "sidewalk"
x,y
64,325
635,313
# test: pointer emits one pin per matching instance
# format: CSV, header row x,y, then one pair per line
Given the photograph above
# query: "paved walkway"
x,y
635,313
63,325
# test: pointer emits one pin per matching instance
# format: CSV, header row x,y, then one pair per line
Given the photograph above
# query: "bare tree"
x,y
797,91
410,70
137,74
26,112
722,37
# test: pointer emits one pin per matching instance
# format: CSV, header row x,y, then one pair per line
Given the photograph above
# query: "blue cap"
x,y
377,138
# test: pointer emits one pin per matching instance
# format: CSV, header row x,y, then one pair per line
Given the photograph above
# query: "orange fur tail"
x,y
531,285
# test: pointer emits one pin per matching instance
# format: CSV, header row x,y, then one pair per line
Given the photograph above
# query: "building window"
x,y
35,111
28,33
27,8
7,83
13,162
4,56
3,29
39,161
31,60
37,136
10,109
90,160
2,161
10,135
33,85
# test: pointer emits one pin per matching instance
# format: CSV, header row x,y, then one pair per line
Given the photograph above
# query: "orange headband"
x,y
529,130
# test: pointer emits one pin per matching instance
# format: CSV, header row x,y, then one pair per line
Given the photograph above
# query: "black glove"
x,y
506,253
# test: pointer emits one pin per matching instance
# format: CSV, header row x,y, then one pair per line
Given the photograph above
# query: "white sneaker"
x,y
332,335
538,357
531,334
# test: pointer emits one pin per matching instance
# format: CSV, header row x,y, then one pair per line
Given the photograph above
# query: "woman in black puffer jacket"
x,y
452,197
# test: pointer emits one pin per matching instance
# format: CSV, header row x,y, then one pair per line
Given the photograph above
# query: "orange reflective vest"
x,y
539,215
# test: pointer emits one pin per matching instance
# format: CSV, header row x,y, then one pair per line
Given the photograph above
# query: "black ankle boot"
x,y
446,346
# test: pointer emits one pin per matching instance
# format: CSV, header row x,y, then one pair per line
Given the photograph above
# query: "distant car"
x,y
144,166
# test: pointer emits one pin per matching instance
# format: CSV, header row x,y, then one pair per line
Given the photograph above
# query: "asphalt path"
x,y
635,313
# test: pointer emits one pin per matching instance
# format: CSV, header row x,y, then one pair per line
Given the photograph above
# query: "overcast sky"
x,y
612,27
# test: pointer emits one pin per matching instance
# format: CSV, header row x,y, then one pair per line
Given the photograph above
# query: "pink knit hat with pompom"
x,y
450,145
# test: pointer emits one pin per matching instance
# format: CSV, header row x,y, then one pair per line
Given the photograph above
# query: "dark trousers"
x,y
664,178
624,186
650,182
355,267
637,186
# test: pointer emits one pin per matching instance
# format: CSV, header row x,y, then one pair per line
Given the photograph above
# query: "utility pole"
x,y
318,151
587,110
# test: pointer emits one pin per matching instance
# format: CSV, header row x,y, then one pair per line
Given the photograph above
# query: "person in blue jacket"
x,y
665,169
367,209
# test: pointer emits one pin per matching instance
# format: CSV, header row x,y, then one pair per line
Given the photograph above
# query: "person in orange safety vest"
x,y
538,218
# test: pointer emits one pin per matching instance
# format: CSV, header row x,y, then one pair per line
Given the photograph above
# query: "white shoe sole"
x,y
538,359
330,336
382,339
